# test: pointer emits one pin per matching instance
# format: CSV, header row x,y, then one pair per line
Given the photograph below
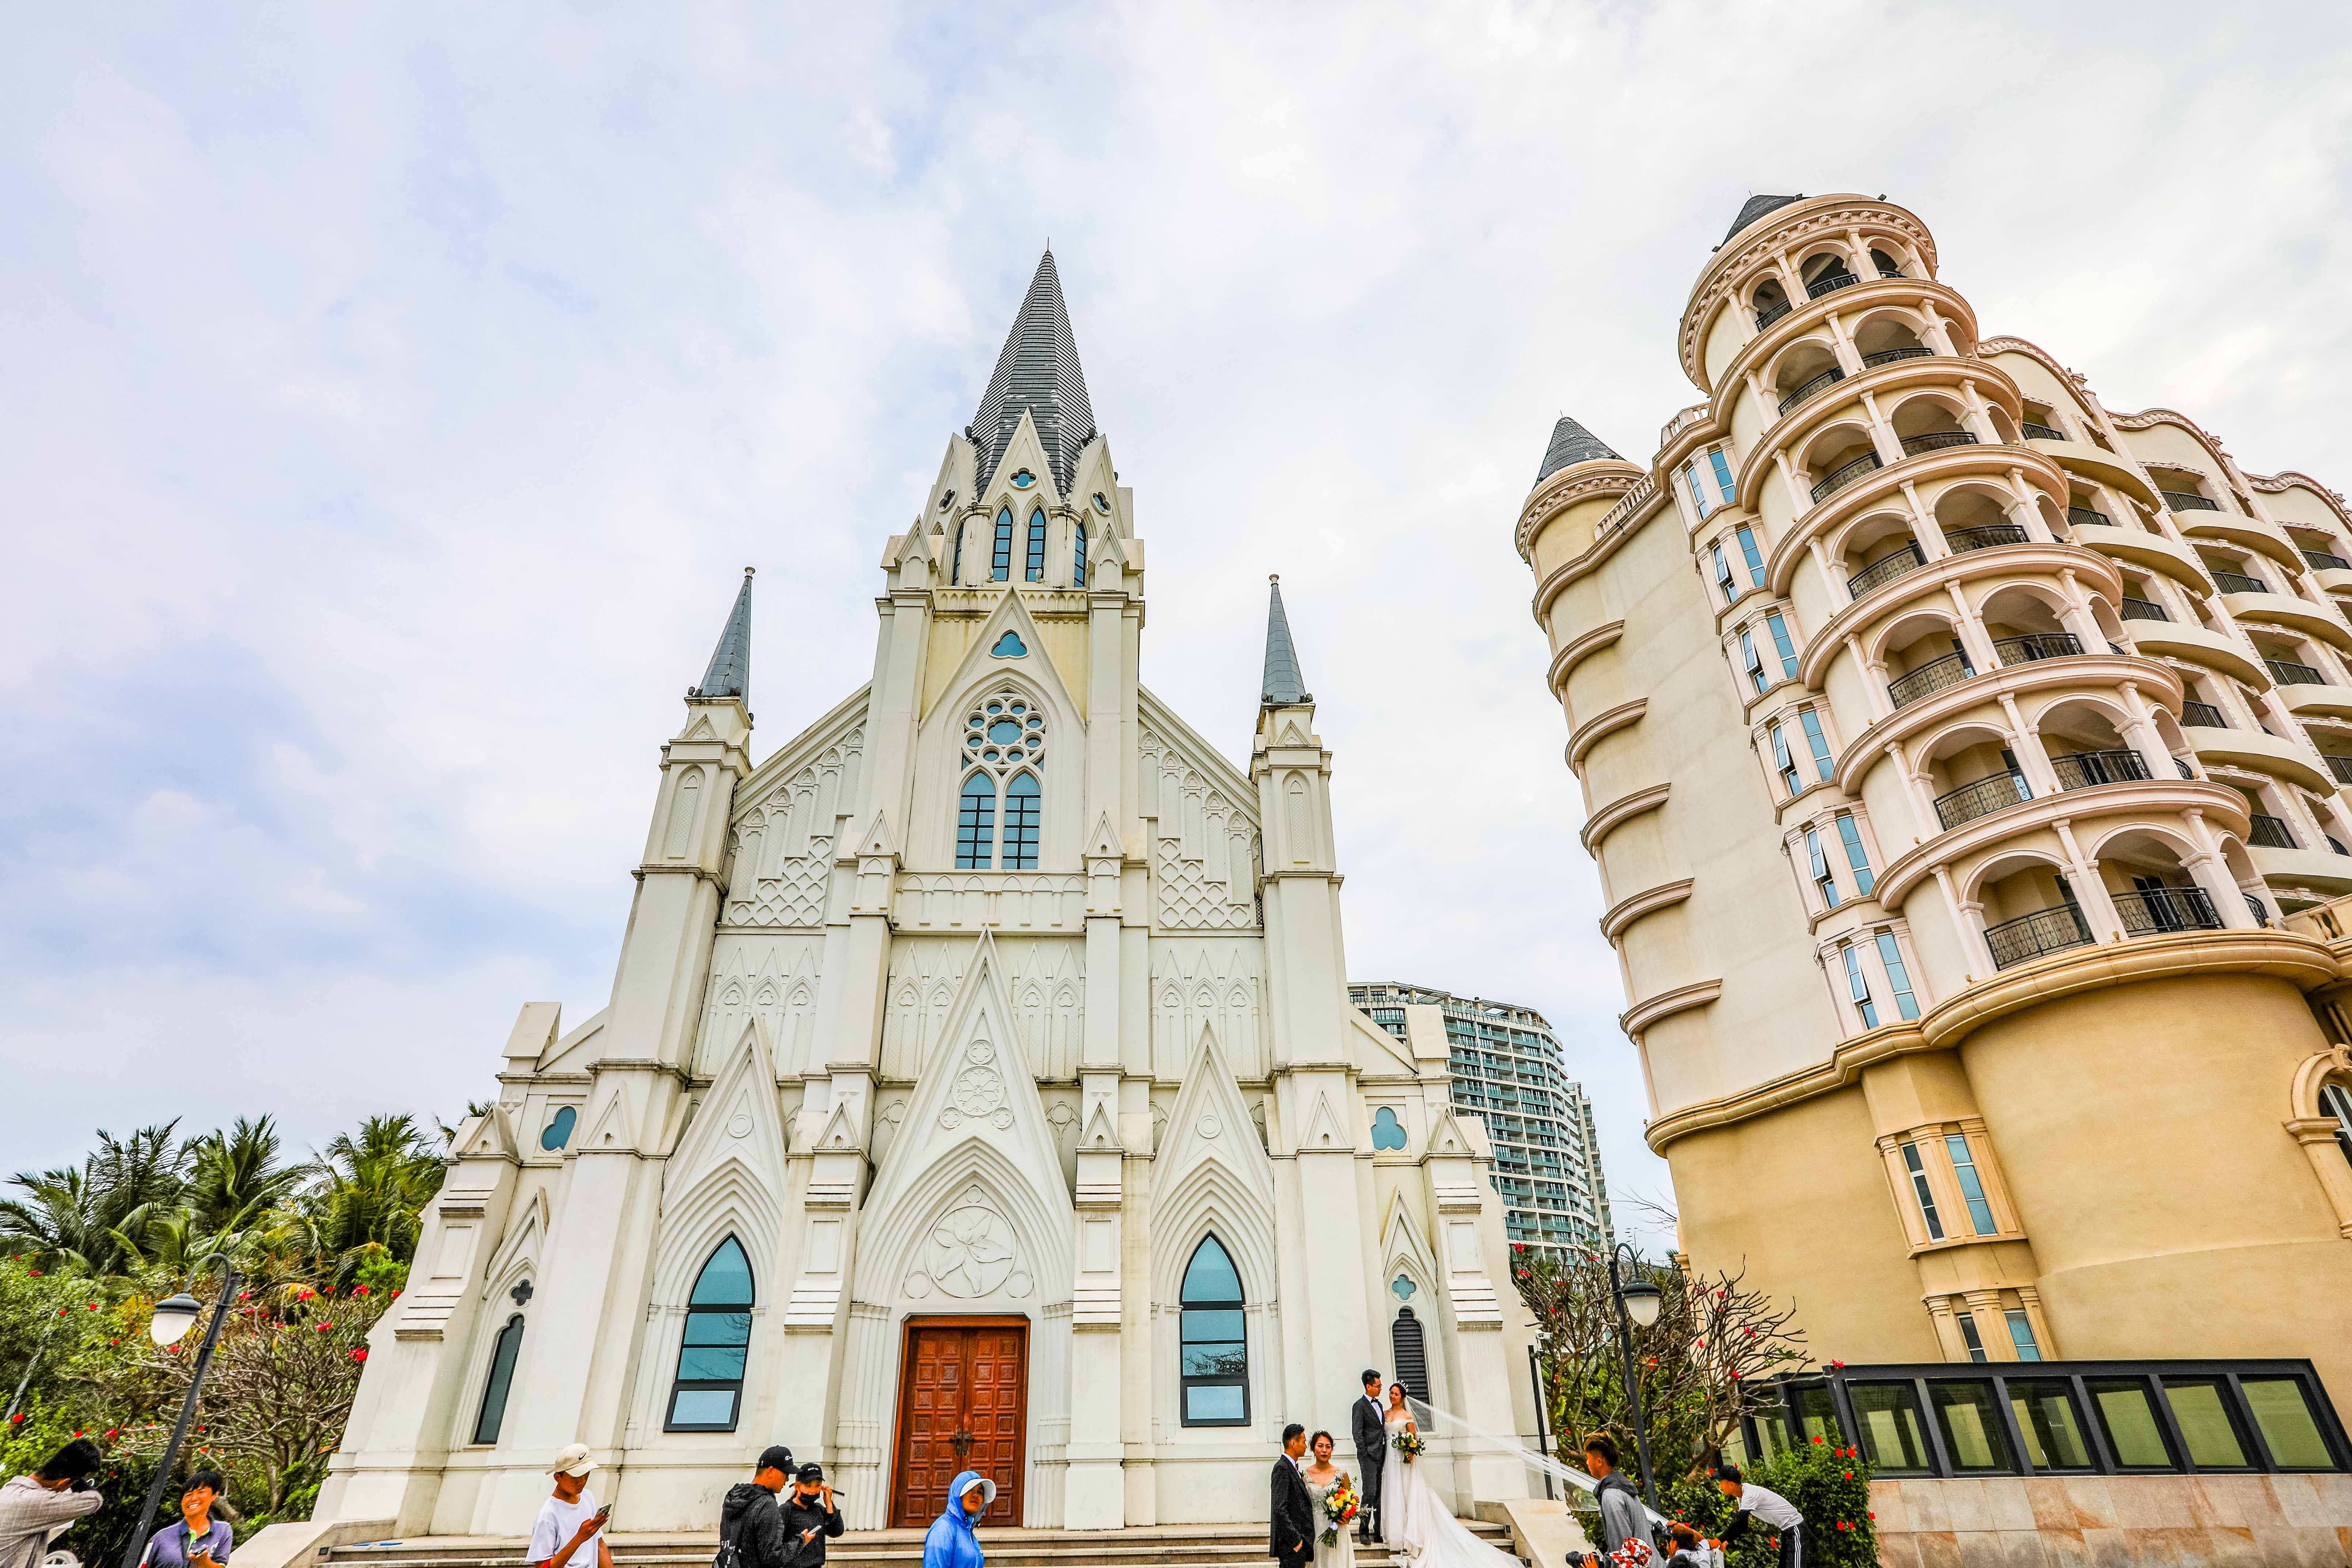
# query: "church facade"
x,y
979,1088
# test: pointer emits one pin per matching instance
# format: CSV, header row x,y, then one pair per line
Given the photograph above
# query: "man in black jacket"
x,y
1365,1424
1290,1540
750,1519
810,1517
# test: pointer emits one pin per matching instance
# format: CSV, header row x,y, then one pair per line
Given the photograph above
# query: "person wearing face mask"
x,y
810,1517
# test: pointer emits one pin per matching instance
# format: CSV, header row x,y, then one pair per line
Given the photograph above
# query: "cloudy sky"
x,y
390,396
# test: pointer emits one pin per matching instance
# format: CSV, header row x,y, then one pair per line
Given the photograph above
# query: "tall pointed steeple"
x,y
1283,686
730,674
1571,442
1037,371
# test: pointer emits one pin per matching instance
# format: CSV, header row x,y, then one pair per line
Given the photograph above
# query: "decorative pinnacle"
x,y
1283,686
730,674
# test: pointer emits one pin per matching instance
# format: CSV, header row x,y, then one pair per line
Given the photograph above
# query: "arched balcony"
x,y
1887,336
1977,517
2018,625
1808,369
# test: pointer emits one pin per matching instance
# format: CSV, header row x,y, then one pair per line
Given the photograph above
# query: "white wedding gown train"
x,y
1420,1528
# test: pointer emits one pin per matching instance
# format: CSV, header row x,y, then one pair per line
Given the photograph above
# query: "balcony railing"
x,y
1830,283
2080,770
2183,500
2029,936
2288,672
2035,646
1984,536
1843,475
1936,441
2203,715
1879,572
2239,583
2342,768
1772,313
2271,832
1889,356
1803,390
2079,515
2148,911
1981,798
2327,560
2144,610
2041,432
1931,676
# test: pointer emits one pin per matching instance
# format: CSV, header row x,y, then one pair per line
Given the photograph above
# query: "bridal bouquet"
x,y
1339,1501
1410,1445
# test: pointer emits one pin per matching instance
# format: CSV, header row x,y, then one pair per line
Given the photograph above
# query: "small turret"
x,y
1283,686
1570,444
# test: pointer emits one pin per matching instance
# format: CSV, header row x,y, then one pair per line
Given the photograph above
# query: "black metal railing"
x,y
2288,672
2041,432
2183,500
2257,909
2334,844
2144,610
2327,560
1885,570
1830,283
1772,313
2239,583
2271,832
2203,715
2147,911
1984,536
2079,515
1931,676
2341,767
1936,441
1890,356
1981,798
1843,475
2080,770
2035,646
2186,771
1805,389
2029,936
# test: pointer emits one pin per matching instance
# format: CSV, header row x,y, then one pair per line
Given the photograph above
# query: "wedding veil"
x,y
1445,1424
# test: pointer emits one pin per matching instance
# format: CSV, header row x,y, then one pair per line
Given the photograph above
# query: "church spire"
x,y
1283,686
730,674
1036,371
1571,442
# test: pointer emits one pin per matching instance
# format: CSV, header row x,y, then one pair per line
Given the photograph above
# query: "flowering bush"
x,y
1828,1484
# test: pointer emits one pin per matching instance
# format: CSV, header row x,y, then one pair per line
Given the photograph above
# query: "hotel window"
x,y
2335,1100
2021,1334
1859,989
1785,762
1898,977
1850,833
1822,878
1723,582
1817,740
1919,1174
1969,1332
1709,477
1964,1165
1755,559
1780,643
1753,662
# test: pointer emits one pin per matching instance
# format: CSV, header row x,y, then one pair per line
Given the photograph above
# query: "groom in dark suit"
x,y
1291,1541
1365,1424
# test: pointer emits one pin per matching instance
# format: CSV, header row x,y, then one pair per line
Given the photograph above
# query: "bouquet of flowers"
x,y
1408,1443
1633,1554
1341,1502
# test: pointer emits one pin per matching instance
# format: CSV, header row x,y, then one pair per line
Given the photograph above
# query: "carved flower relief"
x,y
978,1091
969,1253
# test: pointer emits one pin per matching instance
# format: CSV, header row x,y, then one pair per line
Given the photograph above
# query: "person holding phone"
x,y
197,1539
810,1517
569,1521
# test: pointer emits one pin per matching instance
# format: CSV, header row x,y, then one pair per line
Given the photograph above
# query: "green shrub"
x,y
1827,1484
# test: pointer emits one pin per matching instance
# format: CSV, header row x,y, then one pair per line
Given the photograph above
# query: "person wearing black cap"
x,y
750,1524
810,1516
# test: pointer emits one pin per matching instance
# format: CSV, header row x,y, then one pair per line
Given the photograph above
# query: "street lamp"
x,y
1638,1302
175,1315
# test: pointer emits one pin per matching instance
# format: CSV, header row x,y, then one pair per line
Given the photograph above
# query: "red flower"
x,y
358,1290
112,1430
324,1327
1819,1439
1849,1475
14,1420
1873,1516
359,1353
1837,1367
244,1295
93,1305
395,1295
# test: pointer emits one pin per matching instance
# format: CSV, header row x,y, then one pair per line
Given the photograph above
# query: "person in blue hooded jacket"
x,y
951,1543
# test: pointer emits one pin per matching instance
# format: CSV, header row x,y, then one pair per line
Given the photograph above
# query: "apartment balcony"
x,y
2271,832
2035,646
2083,516
2263,752
2324,701
2152,911
1981,798
1983,537
1772,313
2034,432
2082,769
2182,500
2341,767
1845,474
1937,441
2327,560
2324,869
1830,283
2239,583
1889,356
1878,574
1818,385
2029,936
2144,610
2203,716
2322,621
1954,668
2245,532
2179,639
2288,672
2140,547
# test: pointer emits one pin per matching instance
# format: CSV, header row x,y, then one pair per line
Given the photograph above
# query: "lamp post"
x,y
173,1317
1638,1302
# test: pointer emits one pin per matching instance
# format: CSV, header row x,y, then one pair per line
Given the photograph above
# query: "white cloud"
x,y
391,397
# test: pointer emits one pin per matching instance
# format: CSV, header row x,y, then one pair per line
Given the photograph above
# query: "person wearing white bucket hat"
x,y
951,1543
570,1520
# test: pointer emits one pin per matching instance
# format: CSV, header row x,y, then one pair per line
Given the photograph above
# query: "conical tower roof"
x,y
1753,208
1571,442
1283,686
730,674
1037,371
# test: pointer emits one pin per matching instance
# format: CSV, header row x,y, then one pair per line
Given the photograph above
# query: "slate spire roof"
x,y
730,674
1283,686
1571,442
1037,371
1756,207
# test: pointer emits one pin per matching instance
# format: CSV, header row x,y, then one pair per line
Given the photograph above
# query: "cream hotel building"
x,y
1964,764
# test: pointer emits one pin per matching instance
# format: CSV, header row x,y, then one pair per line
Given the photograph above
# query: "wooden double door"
x,y
963,1404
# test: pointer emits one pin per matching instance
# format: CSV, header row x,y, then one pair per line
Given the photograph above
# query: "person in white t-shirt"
x,y
1768,1507
570,1521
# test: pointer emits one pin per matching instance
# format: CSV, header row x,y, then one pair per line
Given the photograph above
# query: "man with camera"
x,y
36,1508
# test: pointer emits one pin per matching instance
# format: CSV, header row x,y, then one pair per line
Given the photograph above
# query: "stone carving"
x,y
969,1253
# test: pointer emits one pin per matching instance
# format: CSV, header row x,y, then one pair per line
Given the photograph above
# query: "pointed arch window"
x,y
1212,1345
976,823
1000,564
1409,1352
1020,813
955,572
708,1393
1037,571
1004,744
493,1413
1078,569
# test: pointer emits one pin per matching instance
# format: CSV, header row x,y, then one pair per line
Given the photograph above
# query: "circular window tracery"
x,y
1003,734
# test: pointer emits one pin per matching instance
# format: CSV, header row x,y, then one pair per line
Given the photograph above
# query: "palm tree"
x,y
97,1218
367,1193
236,1179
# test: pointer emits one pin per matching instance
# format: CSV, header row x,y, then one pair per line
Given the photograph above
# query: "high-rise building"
x,y
1952,747
1507,1067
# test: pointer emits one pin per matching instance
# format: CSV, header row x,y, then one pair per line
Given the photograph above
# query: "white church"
x,y
979,1088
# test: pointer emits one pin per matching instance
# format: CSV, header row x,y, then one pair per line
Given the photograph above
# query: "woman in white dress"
x,y
1420,1528
1320,1472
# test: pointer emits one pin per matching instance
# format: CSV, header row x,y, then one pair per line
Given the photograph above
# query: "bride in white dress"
x,y
1420,1528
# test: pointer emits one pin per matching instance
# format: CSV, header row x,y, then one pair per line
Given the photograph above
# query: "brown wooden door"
x,y
963,1404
